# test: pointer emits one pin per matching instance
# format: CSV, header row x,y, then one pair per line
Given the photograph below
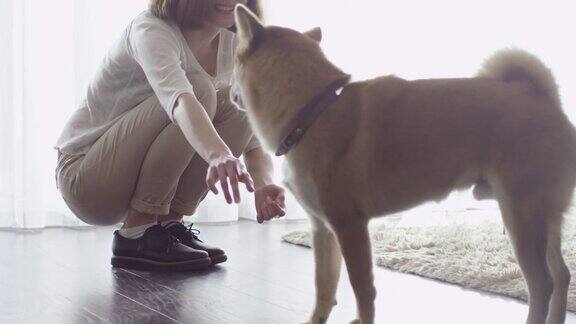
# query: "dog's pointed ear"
x,y
315,34
249,27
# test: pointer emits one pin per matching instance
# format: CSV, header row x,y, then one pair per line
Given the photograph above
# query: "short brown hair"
x,y
190,13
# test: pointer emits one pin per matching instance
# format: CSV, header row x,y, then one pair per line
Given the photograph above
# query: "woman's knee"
x,y
150,112
233,127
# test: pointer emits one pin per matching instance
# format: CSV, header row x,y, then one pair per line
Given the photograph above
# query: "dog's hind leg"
x,y
560,273
328,263
355,245
526,227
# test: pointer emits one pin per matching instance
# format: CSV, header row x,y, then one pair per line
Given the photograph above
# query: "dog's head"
x,y
269,59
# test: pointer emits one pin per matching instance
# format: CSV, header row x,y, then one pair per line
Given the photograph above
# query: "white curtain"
x,y
37,70
50,49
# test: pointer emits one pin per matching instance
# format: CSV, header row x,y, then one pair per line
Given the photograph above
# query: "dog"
x,y
359,150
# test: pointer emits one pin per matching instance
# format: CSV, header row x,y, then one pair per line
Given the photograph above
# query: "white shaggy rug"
x,y
477,256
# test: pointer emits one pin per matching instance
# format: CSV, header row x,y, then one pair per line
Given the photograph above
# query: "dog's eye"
x,y
236,98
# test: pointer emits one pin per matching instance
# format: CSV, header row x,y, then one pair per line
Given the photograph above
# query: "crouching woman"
x,y
157,130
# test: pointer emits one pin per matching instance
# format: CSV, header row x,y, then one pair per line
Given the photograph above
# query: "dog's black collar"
x,y
309,113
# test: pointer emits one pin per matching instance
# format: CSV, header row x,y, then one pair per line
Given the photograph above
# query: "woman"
x,y
157,130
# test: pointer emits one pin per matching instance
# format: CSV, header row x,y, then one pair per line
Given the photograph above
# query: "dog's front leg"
x,y
328,263
356,248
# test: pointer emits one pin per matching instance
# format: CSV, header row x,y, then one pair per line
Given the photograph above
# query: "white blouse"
x,y
151,58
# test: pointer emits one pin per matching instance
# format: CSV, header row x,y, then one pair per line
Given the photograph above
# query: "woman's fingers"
x,y
274,208
264,211
281,201
268,213
271,213
268,210
232,172
246,179
223,177
211,179
278,211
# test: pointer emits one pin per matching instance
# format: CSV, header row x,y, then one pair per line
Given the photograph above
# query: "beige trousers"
x,y
145,162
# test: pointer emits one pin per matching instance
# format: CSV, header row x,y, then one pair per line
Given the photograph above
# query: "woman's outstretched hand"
x,y
224,169
269,203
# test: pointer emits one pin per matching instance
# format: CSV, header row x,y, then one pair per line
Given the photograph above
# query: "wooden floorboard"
x,y
64,276
44,284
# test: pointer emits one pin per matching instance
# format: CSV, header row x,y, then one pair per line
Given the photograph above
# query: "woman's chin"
x,y
225,25
222,22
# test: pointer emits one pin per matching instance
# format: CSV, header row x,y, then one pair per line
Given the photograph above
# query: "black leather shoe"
x,y
156,250
189,237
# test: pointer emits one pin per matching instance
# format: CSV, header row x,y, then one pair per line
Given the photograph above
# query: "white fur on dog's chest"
x,y
303,188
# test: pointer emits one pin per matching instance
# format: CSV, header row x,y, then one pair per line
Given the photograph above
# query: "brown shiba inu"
x,y
360,150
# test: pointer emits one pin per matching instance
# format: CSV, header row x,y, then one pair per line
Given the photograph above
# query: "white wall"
x,y
441,38
438,39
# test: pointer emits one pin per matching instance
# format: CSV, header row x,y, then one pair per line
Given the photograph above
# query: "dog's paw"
x,y
316,320
321,312
312,321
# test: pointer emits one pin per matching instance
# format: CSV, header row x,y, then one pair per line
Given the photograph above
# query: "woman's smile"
x,y
221,12
225,8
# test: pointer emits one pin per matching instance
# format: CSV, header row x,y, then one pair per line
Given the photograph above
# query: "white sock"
x,y
135,232
171,223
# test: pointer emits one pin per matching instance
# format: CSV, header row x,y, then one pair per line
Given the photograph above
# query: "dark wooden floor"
x,y
63,276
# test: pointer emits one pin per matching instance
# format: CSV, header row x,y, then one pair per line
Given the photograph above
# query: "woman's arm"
x,y
260,167
198,129
201,134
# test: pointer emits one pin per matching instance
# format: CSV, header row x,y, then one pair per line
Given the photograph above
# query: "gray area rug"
x,y
477,256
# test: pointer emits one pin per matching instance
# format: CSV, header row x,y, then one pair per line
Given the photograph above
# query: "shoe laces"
x,y
194,232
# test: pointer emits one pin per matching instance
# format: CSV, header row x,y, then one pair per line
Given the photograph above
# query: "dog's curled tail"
x,y
517,65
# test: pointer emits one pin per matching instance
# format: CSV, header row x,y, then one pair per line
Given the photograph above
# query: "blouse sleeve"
x,y
253,144
157,50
